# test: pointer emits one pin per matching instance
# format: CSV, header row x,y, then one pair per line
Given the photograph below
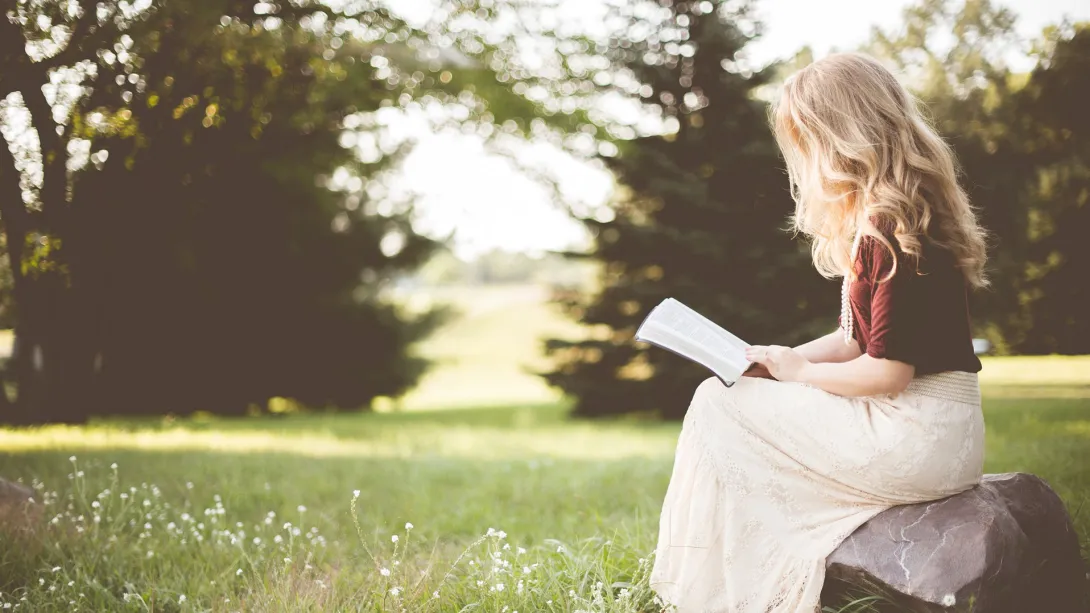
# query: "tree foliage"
x,y
700,219
188,225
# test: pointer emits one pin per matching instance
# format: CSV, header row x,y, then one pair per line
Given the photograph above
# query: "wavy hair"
x,y
859,153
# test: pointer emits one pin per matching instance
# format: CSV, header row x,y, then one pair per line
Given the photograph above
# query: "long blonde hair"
x,y
858,150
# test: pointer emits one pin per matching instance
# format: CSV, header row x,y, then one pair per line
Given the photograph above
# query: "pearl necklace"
x,y
846,321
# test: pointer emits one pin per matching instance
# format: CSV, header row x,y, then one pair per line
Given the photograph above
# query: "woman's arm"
x,y
829,348
863,376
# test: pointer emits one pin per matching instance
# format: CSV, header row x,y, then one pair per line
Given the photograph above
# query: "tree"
x,y
132,284
1054,131
700,218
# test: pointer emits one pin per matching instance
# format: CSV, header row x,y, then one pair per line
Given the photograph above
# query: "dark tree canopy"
x,y
201,258
701,219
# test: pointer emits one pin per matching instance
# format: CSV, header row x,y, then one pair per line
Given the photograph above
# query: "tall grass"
x,y
103,545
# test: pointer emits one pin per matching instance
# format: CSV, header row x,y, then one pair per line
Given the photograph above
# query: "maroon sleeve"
x,y
894,314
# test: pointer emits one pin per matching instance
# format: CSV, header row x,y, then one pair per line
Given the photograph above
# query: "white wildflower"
x,y
385,572
408,526
394,591
181,599
435,594
355,493
302,509
949,600
393,538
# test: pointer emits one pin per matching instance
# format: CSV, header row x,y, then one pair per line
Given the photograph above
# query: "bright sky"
x,y
487,203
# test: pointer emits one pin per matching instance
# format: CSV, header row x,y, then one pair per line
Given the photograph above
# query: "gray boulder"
x,y
1005,546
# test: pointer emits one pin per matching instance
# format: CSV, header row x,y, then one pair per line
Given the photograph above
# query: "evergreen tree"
x,y
701,219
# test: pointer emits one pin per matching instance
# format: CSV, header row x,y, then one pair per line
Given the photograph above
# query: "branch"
x,y
88,33
54,153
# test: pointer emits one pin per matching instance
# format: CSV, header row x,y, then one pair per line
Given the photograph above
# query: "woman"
x,y
771,475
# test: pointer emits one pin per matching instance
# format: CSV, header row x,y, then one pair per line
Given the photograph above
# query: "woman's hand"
x,y
758,372
784,363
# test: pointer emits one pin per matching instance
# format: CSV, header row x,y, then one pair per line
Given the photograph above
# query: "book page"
x,y
675,327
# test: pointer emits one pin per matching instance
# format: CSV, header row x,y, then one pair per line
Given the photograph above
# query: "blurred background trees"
x,y
700,218
198,211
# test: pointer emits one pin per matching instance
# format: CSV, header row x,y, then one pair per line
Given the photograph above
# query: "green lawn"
x,y
582,499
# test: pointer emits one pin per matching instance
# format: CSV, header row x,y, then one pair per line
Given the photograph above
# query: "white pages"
x,y
675,327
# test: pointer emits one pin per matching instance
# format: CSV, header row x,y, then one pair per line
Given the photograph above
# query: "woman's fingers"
x,y
763,354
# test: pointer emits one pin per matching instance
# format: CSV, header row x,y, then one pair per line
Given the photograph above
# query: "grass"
x,y
574,503
589,490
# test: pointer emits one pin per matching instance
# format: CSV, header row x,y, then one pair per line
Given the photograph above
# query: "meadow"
x,y
501,507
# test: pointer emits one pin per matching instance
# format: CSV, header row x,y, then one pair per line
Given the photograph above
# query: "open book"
x,y
677,328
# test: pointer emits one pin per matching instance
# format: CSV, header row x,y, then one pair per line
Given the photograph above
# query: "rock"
x,y
1005,546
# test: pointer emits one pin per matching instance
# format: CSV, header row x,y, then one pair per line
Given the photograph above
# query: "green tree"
x,y
700,218
1054,132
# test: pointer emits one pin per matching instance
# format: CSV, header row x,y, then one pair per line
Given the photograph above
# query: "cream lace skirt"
x,y
770,477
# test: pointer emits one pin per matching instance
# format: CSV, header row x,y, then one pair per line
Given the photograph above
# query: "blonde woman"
x,y
771,475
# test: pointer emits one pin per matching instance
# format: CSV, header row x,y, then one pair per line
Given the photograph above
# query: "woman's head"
x,y
858,150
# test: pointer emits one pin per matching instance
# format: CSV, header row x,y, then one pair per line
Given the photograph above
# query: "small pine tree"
x,y
701,218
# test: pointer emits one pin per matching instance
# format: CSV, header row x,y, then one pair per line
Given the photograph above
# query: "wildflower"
x,y
355,493
526,570
56,569
188,485
302,509
949,600
499,587
114,466
287,560
238,573
393,538
394,591
72,458
150,553
435,594
385,572
560,549
408,526
520,551
181,599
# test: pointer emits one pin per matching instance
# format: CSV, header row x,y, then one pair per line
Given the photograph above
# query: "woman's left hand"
x,y
783,362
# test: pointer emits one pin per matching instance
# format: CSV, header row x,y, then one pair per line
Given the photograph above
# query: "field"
x,y
511,504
